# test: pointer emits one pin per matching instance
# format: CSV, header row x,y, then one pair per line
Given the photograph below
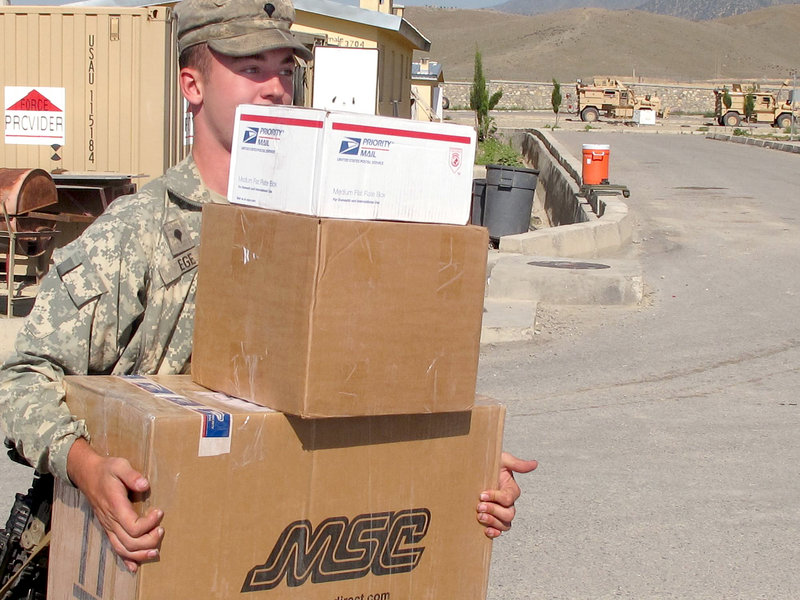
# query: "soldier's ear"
x,y
192,85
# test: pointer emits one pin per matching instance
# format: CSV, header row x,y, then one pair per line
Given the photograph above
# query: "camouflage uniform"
x,y
118,300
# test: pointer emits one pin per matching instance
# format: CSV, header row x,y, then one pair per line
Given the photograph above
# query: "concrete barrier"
x,y
740,139
576,228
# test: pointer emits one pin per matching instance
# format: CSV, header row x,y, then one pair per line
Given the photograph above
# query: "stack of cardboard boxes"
x,y
327,445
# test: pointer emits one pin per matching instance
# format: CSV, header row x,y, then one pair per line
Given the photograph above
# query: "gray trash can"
x,y
478,201
509,199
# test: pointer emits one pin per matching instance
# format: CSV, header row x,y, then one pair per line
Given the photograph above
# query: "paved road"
x,y
668,434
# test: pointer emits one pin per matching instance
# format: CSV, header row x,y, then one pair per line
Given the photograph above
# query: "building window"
x,y
393,67
381,71
399,76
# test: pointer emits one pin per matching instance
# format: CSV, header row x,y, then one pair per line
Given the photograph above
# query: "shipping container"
x,y
91,90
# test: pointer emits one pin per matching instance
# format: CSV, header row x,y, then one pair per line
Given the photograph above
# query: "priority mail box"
x,y
351,166
335,317
260,505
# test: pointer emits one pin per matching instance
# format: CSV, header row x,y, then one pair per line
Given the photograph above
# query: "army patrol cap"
x,y
238,27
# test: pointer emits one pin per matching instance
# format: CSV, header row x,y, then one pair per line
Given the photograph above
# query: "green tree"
x,y
555,99
726,98
749,104
481,102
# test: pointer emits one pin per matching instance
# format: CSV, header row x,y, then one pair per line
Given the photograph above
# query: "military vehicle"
x,y
612,99
767,107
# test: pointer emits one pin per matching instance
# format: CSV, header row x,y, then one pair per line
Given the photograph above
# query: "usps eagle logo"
x,y
350,146
250,135
456,158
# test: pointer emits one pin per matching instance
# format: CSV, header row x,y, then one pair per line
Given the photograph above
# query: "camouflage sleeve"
x,y
87,307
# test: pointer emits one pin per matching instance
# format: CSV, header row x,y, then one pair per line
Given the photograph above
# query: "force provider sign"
x,y
34,115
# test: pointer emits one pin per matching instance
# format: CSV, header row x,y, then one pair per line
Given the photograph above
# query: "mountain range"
x,y
634,44
696,10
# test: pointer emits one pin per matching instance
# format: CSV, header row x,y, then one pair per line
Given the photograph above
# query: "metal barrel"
x,y
25,190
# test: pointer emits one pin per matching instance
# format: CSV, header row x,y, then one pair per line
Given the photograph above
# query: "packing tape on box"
x,y
216,431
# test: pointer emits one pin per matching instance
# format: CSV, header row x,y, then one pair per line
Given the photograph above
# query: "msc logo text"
x,y
338,549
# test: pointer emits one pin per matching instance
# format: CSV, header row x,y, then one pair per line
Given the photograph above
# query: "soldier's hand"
x,y
496,508
106,483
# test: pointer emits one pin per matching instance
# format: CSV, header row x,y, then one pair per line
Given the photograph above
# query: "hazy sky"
x,y
438,3
452,3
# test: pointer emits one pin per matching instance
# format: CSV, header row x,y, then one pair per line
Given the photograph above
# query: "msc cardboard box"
x,y
351,166
334,317
261,505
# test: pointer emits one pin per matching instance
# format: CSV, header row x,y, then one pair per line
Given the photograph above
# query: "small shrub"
x,y
726,98
555,99
749,106
481,102
742,132
492,151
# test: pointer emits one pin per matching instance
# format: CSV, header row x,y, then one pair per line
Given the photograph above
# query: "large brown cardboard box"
x,y
261,505
334,317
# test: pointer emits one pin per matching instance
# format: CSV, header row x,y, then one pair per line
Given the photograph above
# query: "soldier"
x,y
118,300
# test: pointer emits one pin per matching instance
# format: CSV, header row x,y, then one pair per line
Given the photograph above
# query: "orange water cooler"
x,y
595,163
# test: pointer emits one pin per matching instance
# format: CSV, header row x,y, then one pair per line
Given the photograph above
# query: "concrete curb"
x,y
616,282
741,139
507,320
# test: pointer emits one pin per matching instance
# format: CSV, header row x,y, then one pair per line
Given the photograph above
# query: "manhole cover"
x,y
698,188
567,264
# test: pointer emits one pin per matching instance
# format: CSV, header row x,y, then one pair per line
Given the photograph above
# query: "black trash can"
x,y
478,201
509,199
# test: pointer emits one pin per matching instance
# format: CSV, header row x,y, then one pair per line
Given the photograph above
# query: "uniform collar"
x,y
186,185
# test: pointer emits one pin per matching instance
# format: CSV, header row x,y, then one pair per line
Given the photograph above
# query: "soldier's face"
x,y
263,79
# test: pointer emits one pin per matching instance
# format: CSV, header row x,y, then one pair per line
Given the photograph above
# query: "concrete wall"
x,y
685,98
578,229
557,189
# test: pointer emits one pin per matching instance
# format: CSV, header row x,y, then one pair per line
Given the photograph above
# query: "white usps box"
x,y
273,157
351,166
644,116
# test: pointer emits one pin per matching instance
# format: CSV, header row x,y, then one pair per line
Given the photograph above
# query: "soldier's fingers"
x,y
131,558
494,515
130,477
508,493
517,465
144,526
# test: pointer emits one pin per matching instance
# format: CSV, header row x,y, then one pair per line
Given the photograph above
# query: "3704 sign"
x,y
339,549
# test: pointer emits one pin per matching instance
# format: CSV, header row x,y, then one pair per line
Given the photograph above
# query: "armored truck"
x,y
730,107
612,99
